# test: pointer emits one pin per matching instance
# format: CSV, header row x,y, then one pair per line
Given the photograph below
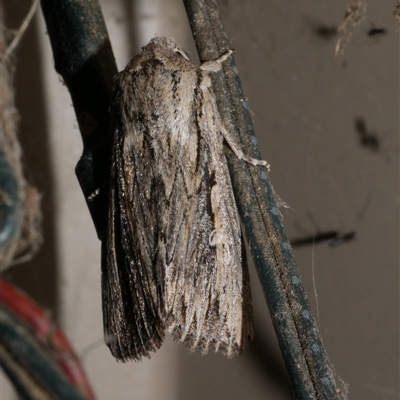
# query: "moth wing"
x,y
130,285
209,302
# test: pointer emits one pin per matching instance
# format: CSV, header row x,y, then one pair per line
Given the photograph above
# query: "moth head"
x,y
169,44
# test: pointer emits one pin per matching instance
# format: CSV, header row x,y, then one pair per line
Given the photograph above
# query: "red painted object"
x,y
47,333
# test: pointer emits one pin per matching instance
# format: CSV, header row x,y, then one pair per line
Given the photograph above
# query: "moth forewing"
x,y
172,254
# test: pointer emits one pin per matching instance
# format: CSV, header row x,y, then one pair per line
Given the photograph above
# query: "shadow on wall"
x,y
130,10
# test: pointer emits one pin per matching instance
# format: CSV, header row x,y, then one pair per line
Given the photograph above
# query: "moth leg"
x,y
215,65
239,153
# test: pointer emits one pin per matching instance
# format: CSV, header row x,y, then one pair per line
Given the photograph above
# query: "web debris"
x,y
354,15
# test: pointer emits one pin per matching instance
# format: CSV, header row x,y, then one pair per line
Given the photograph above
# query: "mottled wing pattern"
x,y
209,303
131,297
172,254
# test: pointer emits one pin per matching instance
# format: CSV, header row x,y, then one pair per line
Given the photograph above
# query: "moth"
x,y
172,251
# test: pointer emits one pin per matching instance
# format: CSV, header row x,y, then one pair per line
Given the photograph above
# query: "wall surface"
x,y
311,114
